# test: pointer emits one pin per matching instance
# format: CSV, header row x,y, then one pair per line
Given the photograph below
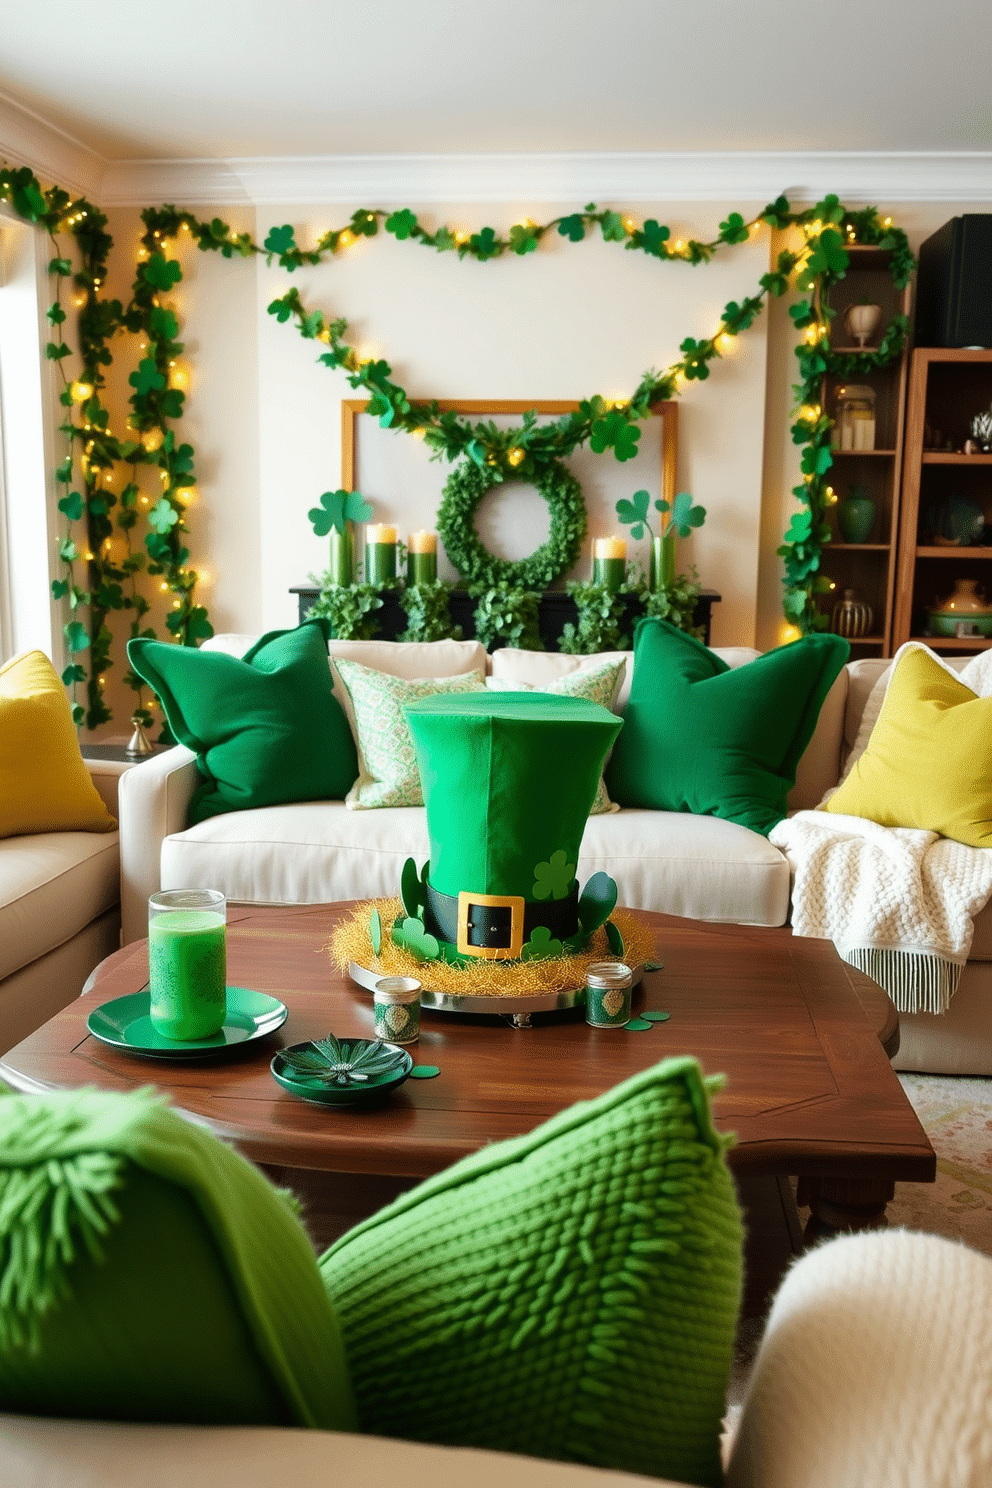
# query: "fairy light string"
x,y
100,565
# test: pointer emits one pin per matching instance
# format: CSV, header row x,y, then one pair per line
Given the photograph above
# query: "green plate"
x,y
125,1024
369,1093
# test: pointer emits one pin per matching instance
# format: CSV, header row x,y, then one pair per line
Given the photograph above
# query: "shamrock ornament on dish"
x,y
553,880
342,1063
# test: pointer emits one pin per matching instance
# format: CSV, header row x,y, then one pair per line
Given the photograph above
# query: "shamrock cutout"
x,y
597,902
280,239
412,936
339,507
162,272
554,880
198,627
617,432
71,506
413,888
485,244
614,939
684,516
654,237
523,239
162,517
76,638
573,227
613,228
541,946
635,513
147,379
734,230
401,224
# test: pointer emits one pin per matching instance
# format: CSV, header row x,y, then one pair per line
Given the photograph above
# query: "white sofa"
x,y
59,914
700,867
875,1368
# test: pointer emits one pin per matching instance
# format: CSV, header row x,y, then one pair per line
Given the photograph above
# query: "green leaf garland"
x,y
109,518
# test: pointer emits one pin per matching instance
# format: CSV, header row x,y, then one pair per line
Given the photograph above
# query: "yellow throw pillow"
x,y
929,759
44,784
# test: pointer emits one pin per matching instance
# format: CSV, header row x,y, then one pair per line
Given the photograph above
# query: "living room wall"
x,y
565,323
571,320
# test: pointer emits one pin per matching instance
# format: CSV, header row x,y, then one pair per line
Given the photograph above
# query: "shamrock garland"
x,y
464,490
157,400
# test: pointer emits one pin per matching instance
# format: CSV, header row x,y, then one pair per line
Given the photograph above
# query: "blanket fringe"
x,y
916,982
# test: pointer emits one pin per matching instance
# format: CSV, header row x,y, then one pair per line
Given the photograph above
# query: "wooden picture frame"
x,y
667,412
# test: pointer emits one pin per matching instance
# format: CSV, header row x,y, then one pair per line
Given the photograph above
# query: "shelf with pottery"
x,y
945,548
868,412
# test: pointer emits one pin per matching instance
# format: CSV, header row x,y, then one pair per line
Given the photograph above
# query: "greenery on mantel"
x,y
99,475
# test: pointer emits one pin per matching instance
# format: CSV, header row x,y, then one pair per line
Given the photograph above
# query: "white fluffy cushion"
x,y
875,1368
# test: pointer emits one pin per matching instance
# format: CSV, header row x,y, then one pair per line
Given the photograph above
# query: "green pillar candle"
x,y
342,564
380,553
421,568
609,572
187,963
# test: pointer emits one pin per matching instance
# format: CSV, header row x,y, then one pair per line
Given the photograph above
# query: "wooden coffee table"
x,y
800,1036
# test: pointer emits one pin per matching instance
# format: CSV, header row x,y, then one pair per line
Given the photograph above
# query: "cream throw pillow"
x,y
387,764
597,684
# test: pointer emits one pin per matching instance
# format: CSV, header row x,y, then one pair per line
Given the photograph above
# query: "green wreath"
x,y
463,491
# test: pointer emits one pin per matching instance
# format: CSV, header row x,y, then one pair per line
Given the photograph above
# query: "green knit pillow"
x,y
570,1294
149,1273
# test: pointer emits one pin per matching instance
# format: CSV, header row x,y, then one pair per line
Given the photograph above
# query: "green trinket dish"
x,y
358,1072
125,1024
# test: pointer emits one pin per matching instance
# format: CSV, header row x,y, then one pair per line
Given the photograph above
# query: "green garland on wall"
x,y
100,521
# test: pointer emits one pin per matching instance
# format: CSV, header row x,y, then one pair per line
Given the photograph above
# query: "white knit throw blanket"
x,y
898,903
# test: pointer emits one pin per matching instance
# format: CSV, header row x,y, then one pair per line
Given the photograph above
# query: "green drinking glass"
x,y
187,962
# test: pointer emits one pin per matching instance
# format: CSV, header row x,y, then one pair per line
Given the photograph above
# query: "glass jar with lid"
x,y
854,422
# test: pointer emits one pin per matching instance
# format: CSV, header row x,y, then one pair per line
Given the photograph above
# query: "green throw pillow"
x,y
704,737
265,727
149,1273
570,1294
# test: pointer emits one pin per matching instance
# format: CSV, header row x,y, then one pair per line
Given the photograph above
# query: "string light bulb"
x,y
79,391
515,456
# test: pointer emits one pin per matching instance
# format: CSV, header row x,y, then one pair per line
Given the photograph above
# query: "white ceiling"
x,y
218,79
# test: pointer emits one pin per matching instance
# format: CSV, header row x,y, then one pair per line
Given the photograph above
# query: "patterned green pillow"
x,y
597,684
150,1273
570,1294
387,764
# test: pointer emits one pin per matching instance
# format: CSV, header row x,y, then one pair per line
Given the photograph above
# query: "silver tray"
x,y
520,1008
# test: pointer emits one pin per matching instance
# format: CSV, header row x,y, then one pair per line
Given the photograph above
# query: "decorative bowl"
x,y
342,1072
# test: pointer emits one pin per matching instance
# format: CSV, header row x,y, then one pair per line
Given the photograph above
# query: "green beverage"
x,y
187,970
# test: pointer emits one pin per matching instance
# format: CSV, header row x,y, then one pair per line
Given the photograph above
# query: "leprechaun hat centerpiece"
x,y
508,781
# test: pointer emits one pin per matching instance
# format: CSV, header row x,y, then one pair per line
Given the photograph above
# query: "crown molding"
x,y
738,176
742,176
54,156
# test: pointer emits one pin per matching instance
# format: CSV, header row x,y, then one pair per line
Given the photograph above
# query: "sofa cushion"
x,y
52,884
265,727
387,762
700,867
928,762
524,1297
697,866
703,737
44,784
149,1273
538,668
310,853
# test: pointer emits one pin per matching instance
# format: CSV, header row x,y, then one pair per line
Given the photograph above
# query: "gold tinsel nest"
x,y
351,941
